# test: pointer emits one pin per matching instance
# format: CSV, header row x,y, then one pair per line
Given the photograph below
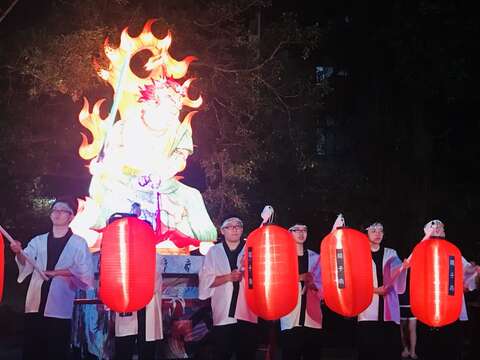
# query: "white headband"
x,y
297,226
375,226
230,220
62,206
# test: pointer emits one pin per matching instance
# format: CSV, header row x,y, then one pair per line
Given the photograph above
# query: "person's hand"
x,y
50,273
16,247
472,268
236,275
309,281
405,264
380,290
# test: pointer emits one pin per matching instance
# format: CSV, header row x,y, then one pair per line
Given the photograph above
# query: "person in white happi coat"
x,y
301,334
141,329
378,335
446,342
64,258
221,279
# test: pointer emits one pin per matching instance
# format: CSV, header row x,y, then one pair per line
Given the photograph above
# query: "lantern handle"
x,y
339,222
267,215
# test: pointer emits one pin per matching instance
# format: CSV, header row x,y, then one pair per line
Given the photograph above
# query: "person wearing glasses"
x,y
66,261
221,279
301,329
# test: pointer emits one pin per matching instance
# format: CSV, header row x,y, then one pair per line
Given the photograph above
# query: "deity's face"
x,y
160,117
375,234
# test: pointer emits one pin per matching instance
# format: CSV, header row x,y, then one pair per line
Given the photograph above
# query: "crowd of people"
x,y
386,329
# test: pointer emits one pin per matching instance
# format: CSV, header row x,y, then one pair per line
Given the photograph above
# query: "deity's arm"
x,y
169,167
177,161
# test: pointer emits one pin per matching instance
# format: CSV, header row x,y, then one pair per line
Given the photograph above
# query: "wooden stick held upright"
x,y
28,259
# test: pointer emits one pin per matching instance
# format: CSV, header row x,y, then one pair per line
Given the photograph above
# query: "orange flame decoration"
x,y
161,65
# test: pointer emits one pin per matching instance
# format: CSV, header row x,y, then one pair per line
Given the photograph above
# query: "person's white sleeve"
x,y
397,274
206,277
158,273
31,251
82,268
469,275
317,277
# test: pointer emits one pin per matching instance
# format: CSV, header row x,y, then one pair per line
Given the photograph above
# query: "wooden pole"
x,y
29,260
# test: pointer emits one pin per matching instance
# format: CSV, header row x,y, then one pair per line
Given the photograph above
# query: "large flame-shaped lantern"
x,y
127,264
135,159
436,282
347,277
2,260
271,272
126,84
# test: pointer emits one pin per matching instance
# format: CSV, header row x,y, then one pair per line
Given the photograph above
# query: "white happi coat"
x,y
391,310
468,283
216,264
313,311
128,325
75,257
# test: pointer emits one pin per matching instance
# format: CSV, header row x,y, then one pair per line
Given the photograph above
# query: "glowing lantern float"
x,y
2,258
436,282
271,272
127,264
346,263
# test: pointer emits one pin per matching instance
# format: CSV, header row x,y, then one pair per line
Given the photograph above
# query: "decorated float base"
x,y
186,319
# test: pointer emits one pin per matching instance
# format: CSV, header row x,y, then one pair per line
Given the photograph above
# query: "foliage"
x,y
255,76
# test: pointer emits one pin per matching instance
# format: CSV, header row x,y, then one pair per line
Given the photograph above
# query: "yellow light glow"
x,y
122,239
268,264
339,246
160,65
436,283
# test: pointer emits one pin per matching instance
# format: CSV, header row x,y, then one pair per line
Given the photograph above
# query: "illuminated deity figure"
x,y
136,159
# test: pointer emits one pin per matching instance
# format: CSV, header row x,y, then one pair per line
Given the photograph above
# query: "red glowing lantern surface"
x,y
346,263
127,264
2,261
436,282
271,272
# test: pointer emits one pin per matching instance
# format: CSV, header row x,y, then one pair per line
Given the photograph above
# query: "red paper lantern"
x,y
2,262
346,263
271,272
436,282
127,264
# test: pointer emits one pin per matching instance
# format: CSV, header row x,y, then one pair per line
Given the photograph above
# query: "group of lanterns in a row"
x,y
127,272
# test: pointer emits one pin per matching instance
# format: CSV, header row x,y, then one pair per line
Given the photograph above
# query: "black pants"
x,y
440,343
46,337
240,339
378,340
125,346
301,342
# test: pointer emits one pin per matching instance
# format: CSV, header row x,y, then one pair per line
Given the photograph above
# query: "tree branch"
x,y
8,10
280,45
232,16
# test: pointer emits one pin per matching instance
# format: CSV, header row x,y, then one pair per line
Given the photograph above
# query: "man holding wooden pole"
x,y
60,262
